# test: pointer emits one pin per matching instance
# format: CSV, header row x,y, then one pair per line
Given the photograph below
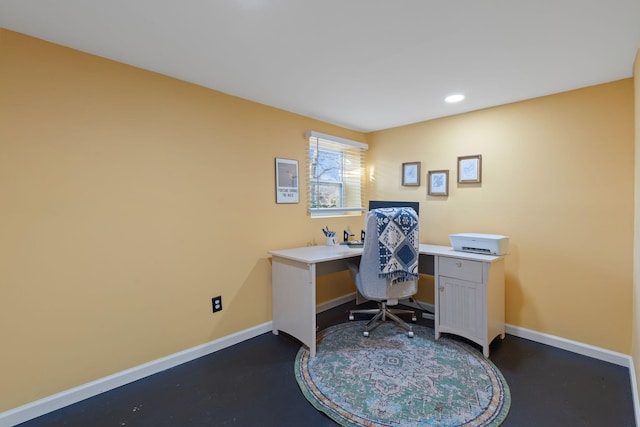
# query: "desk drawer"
x,y
460,269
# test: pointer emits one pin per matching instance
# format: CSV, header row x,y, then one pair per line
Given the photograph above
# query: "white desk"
x,y
469,301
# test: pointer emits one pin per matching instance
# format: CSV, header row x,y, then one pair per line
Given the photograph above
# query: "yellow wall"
x,y
636,244
557,178
128,201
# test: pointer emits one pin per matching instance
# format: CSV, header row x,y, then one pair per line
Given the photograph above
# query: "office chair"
x,y
398,252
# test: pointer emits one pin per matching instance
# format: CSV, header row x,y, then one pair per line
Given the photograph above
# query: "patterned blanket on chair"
x,y
398,240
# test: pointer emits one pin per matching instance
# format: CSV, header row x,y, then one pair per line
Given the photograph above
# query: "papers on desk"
x,y
353,243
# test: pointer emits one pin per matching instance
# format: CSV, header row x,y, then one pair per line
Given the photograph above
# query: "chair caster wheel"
x,y
365,333
351,317
410,334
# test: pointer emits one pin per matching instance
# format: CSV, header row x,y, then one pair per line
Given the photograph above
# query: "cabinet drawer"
x,y
460,269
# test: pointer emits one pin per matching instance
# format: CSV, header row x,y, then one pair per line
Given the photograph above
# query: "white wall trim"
x,y
68,397
585,350
569,345
634,391
335,302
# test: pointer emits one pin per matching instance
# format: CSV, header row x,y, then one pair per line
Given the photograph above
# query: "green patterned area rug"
x,y
389,379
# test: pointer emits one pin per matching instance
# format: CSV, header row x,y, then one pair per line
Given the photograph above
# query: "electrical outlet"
x,y
216,303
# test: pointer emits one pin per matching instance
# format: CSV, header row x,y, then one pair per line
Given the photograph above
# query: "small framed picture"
x,y
438,183
287,190
470,169
411,174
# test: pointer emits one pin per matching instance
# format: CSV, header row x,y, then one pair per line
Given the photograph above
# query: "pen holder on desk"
x,y
331,240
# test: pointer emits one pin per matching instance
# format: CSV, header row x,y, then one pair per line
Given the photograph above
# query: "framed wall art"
x,y
287,189
438,183
411,174
470,169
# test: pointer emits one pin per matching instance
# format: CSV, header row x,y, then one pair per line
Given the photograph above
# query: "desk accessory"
x,y
489,244
330,235
353,243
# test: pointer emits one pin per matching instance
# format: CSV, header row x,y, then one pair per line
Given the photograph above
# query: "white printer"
x,y
489,244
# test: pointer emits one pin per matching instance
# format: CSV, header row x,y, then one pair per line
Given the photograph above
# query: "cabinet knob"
x,y
459,264
441,287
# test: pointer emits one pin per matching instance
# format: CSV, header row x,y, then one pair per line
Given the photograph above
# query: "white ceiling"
x,y
362,64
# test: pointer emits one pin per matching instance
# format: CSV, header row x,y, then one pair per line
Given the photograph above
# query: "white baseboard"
x,y
60,400
634,391
335,302
585,350
68,397
569,345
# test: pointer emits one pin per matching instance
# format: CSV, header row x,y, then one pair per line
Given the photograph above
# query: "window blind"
x,y
335,175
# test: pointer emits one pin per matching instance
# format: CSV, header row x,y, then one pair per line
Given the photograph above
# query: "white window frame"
x,y
352,175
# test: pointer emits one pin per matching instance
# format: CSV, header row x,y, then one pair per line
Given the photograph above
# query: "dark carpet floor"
x,y
253,384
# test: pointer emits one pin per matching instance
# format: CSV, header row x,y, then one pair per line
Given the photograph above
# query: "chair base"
x,y
381,315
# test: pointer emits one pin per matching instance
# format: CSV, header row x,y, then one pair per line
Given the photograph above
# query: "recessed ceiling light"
x,y
454,98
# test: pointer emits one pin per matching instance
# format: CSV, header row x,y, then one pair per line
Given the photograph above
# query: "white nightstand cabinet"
x,y
469,297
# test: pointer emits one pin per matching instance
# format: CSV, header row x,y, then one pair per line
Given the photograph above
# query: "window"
x,y
336,169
